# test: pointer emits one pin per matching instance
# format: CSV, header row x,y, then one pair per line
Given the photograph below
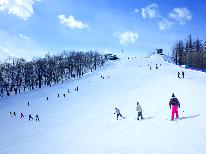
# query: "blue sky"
x,y
31,28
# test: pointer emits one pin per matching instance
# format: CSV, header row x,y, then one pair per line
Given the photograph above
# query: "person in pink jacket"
x,y
174,103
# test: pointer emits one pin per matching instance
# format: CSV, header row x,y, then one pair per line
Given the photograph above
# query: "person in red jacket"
x,y
174,103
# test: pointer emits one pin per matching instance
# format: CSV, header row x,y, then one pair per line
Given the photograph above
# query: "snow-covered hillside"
x,y
83,122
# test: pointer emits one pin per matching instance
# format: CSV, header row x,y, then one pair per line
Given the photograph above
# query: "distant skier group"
x,y
156,66
173,104
22,116
64,95
103,77
37,115
138,109
183,75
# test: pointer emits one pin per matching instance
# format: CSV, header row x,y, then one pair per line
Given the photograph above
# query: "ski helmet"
x,y
173,95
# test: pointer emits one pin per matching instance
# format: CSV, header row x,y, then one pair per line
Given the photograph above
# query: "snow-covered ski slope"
x,y
84,122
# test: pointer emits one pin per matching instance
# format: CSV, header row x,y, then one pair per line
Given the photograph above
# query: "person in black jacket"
x,y
178,75
37,117
174,103
30,117
183,74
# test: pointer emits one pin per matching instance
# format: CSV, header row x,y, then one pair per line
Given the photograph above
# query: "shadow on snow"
x,y
193,116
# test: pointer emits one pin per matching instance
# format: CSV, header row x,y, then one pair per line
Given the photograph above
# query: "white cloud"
x,y
150,11
15,45
165,24
136,11
181,15
72,22
24,37
4,53
127,37
20,8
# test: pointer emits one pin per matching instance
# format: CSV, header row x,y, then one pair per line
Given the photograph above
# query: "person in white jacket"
x,y
117,111
139,110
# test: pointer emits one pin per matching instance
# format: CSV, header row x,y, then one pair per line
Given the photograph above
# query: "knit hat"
x,y
173,95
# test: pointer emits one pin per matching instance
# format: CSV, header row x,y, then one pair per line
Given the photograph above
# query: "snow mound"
x,y
157,58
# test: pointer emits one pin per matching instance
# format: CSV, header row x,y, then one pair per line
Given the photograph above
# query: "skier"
x,y
156,66
117,111
30,117
139,110
178,75
64,95
22,115
28,104
183,74
37,117
14,113
10,114
175,104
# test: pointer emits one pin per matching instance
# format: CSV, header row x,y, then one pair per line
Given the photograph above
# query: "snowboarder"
x,y
30,117
37,117
178,75
117,111
175,104
183,74
22,115
139,110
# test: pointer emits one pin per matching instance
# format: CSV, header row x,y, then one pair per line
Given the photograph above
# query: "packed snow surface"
x,y
84,122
